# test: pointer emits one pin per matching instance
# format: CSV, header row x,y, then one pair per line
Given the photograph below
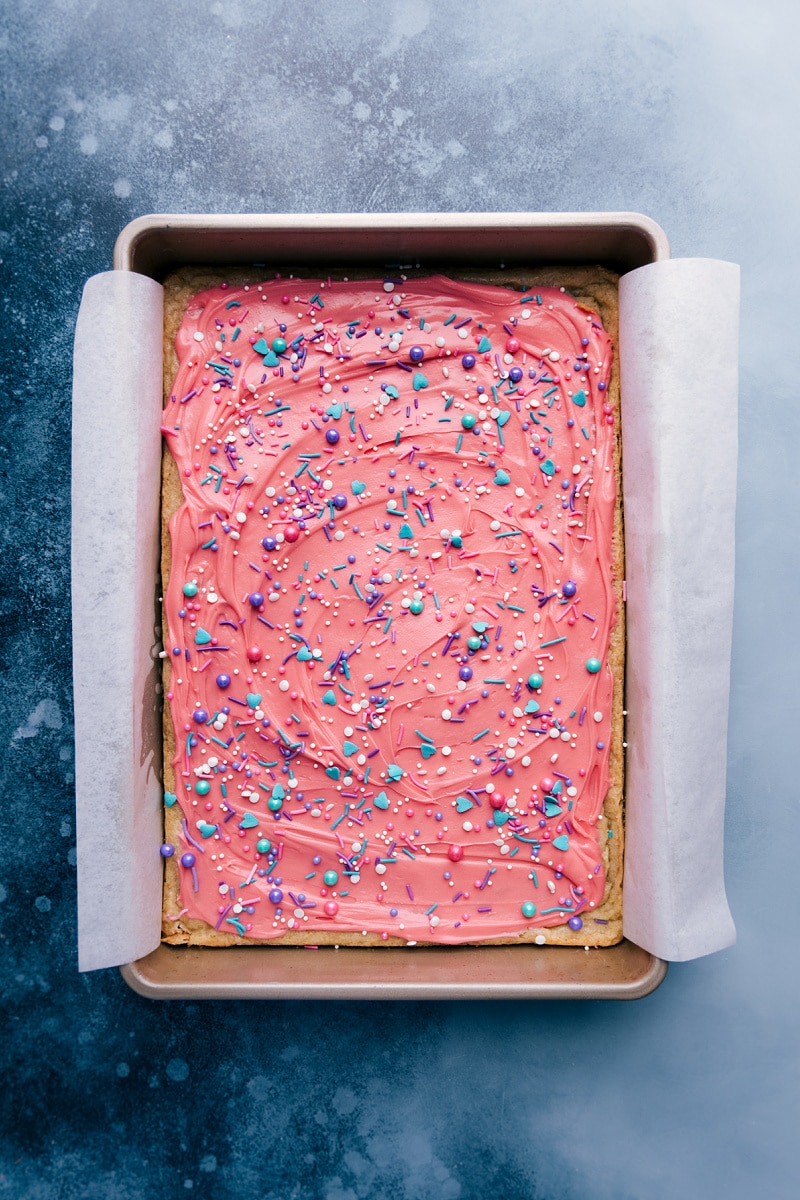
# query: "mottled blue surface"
x,y
689,114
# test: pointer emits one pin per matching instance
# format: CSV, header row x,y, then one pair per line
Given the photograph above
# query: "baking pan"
x,y
156,245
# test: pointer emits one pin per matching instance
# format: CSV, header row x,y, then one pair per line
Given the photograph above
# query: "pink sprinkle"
x,y
400,734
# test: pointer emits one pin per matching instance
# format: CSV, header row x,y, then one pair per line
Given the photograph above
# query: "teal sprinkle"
x,y
554,642
238,924
428,911
450,320
458,443
406,851
480,735
546,394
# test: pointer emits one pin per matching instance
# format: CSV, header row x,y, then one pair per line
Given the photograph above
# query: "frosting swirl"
x,y
390,607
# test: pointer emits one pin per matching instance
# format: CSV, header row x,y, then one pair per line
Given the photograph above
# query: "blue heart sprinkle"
x,y
329,697
579,398
381,800
271,359
464,804
357,487
304,654
502,477
561,843
484,346
332,772
349,748
394,772
334,411
202,638
248,821
169,799
420,381
426,750
206,830
253,699
503,418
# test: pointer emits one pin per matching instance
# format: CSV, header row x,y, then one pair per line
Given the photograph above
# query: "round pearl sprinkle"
x,y
331,878
575,923
223,680
593,665
468,362
455,853
528,909
331,436
256,599
263,845
167,850
469,420
188,860
416,354
535,680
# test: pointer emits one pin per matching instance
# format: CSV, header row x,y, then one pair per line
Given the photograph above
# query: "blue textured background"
x,y
689,115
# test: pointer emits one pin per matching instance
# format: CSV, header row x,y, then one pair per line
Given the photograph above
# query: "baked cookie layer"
x,y
392,562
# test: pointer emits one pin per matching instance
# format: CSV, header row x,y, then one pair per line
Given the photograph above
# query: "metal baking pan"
x,y
156,245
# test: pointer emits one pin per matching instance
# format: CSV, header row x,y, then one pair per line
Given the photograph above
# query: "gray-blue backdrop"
x,y
685,111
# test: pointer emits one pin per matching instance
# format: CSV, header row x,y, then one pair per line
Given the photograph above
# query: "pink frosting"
x,y
438,537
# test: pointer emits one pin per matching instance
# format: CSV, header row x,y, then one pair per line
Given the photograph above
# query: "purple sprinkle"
x,y
410,893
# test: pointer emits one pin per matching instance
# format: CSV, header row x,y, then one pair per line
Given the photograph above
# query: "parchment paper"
x,y
116,455
678,340
679,374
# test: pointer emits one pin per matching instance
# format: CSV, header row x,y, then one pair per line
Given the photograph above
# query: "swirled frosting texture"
x,y
390,607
